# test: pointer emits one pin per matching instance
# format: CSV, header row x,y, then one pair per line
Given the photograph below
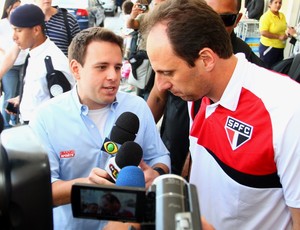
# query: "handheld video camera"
x,y
143,7
170,203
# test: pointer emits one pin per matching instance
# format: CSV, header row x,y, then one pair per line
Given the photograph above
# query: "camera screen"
x,y
107,202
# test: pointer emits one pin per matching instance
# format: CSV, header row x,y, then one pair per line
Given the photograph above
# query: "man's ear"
x,y
207,57
75,68
37,30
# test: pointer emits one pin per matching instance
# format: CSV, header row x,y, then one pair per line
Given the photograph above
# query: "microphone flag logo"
x,y
238,132
114,171
110,147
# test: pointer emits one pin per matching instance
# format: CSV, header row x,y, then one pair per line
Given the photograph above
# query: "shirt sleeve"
x,y
288,160
38,127
264,23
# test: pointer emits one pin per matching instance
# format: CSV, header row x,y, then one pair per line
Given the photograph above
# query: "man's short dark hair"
x,y
127,6
191,26
79,44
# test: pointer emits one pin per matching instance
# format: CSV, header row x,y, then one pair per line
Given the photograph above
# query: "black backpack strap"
x,y
57,82
294,71
64,11
49,65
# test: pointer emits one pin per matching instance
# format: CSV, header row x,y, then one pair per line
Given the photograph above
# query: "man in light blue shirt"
x,y
73,126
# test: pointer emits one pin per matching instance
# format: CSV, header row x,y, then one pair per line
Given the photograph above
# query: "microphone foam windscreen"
x,y
130,153
120,136
125,128
131,176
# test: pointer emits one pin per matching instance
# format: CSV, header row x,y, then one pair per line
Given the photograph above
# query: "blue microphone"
x,y
131,176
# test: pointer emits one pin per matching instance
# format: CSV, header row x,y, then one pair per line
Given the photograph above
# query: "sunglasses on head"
x,y
229,19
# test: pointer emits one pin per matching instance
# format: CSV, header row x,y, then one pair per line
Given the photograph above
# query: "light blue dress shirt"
x,y
73,143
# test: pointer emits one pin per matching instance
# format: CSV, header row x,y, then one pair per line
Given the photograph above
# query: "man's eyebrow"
x,y
164,70
107,63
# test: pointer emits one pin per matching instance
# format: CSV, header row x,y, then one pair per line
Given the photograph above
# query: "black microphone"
x,y
130,153
176,203
125,129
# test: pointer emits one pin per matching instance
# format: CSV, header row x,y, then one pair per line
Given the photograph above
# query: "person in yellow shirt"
x,y
272,27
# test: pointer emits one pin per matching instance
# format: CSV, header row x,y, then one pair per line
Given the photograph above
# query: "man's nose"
x,y
162,83
113,74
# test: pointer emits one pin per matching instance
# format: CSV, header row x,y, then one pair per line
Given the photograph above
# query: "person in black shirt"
x,y
255,8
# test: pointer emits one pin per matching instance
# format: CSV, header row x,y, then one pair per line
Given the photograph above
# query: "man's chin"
x,y
21,47
186,98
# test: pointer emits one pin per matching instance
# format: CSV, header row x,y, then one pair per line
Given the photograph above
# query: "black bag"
x,y
134,42
290,67
141,69
56,81
294,71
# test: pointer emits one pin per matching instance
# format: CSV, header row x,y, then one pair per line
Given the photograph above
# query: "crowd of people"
x,y
226,124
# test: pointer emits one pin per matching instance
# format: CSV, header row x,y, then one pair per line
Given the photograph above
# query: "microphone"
x,y
125,129
176,203
131,176
130,153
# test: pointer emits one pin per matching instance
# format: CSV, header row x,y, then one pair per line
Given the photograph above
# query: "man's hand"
x,y
15,101
99,176
151,174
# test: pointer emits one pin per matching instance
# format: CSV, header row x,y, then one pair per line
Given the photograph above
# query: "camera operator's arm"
x,y
61,190
152,172
112,225
132,22
8,60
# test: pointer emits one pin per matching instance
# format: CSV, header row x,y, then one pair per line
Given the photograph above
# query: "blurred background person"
x,y
136,22
272,27
10,80
91,208
254,8
125,31
56,28
294,34
110,205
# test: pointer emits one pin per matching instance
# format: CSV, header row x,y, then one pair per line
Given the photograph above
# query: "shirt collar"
x,y
274,15
231,95
84,108
39,49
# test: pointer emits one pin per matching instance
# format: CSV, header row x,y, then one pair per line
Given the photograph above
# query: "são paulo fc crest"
x,y
238,132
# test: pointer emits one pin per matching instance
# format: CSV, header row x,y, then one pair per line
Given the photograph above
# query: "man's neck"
x,y
225,68
49,12
39,42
